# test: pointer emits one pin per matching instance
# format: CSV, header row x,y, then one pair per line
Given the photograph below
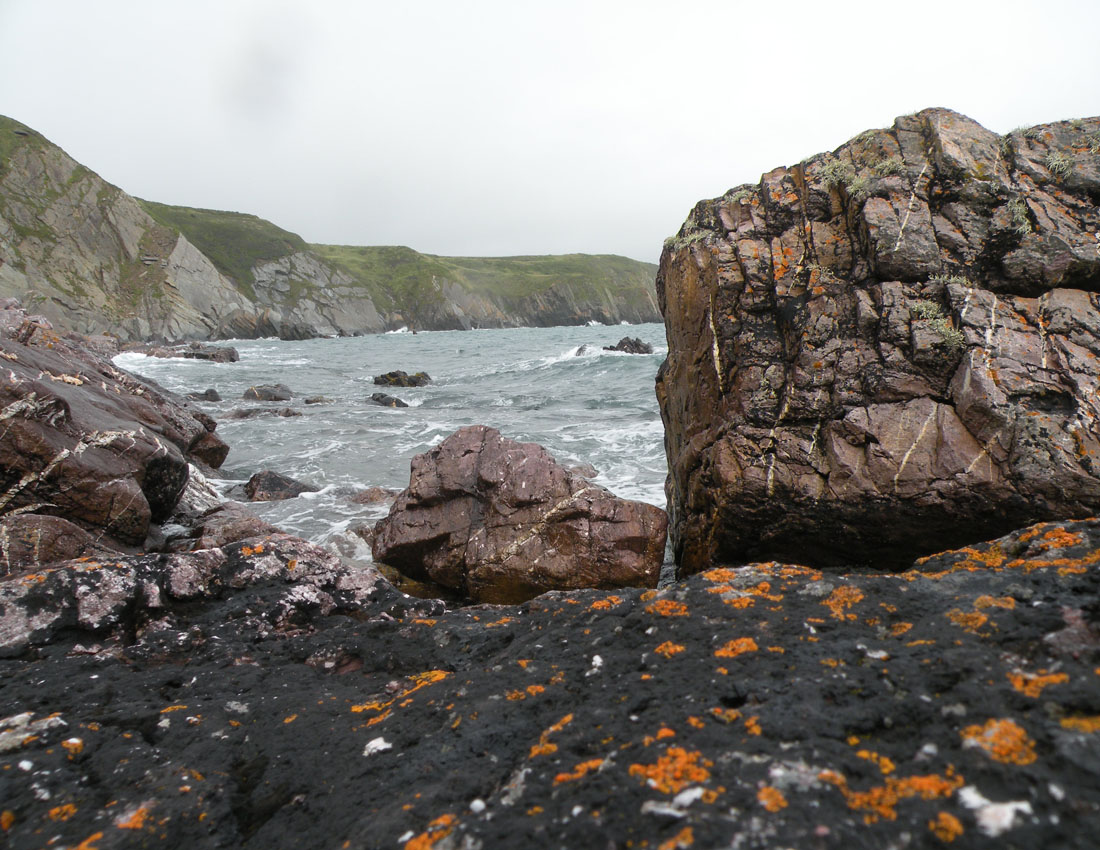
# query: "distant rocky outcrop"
x,y
190,351
887,350
270,486
630,345
93,259
501,521
403,379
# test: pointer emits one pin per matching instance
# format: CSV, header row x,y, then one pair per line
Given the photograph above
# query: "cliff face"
x,y
887,350
93,259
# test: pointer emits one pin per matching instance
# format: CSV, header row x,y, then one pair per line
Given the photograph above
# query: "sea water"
x,y
554,386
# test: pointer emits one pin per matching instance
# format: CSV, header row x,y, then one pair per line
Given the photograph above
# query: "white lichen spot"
x,y
377,745
993,818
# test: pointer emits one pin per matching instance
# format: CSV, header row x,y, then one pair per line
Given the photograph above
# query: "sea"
x,y
554,386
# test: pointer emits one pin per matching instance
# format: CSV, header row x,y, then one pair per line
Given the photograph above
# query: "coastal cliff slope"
x,y
93,259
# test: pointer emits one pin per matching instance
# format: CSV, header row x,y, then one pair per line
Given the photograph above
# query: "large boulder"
x,y
502,521
403,379
270,486
85,441
886,350
190,351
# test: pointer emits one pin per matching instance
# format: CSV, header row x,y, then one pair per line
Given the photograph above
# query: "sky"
x,y
513,127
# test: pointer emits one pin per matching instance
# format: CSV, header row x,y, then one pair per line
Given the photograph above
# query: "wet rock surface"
x,y
630,345
270,486
387,400
268,392
191,351
886,349
502,521
267,696
402,379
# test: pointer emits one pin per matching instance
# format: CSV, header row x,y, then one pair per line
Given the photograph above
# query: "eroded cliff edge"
x,y
888,349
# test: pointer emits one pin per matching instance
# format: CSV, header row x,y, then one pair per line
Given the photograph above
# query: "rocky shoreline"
x,y
177,672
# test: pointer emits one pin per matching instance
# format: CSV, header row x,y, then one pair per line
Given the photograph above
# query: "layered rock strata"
x,y
502,521
887,349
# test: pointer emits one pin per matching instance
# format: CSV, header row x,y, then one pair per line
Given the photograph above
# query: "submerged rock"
x,y
209,394
190,351
387,400
887,349
403,379
268,392
630,345
502,521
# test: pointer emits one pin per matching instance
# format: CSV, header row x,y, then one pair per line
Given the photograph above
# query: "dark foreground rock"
x,y
502,521
403,379
630,345
387,400
260,703
269,486
887,348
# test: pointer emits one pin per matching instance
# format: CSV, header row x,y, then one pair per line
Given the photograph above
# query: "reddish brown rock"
x,y
269,486
502,521
31,541
887,349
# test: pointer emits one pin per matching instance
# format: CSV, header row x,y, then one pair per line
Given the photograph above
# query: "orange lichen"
x,y
503,621
945,827
680,841
669,649
674,770
1059,538
720,575
529,691
73,746
696,722
740,602
1081,724
137,820
752,725
249,551
290,718
1002,741
882,762
970,621
437,830
62,813
841,599
1032,684
7,819
173,708
607,603
425,621
726,715
737,646
771,798
420,680
832,662
777,649
898,629
581,770
1006,602
880,801
667,608
544,747
91,842
523,662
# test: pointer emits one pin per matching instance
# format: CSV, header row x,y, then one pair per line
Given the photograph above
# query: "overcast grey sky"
x,y
512,127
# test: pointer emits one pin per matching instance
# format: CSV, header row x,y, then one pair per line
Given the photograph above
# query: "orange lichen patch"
x,y
667,608
249,551
1002,741
720,575
970,621
73,746
544,747
7,819
841,599
647,595
425,622
945,827
882,762
91,842
880,801
1006,602
137,820
696,722
1032,684
920,643
529,691
832,662
62,813
1059,538
1081,724
173,708
893,609
726,715
669,649
578,772
437,830
503,621
771,798
674,770
776,649
740,601
898,629
737,646
534,810
680,841
523,662
607,603
420,680
752,725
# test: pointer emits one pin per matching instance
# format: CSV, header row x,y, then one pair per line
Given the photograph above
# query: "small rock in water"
x,y
630,345
387,400
251,413
268,392
210,394
403,379
269,486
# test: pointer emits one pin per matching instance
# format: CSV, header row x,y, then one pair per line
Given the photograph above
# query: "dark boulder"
x,y
318,399
502,521
886,350
630,345
268,486
403,379
387,400
374,495
32,541
253,412
226,523
209,394
268,392
189,351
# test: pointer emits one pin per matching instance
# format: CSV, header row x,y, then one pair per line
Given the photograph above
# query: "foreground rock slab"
x,y
888,347
502,521
770,705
